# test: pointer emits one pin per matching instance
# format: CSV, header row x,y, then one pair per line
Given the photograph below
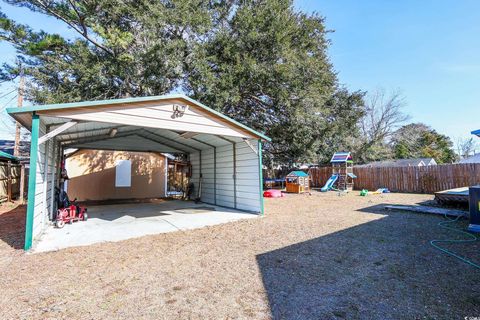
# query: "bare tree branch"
x,y
383,116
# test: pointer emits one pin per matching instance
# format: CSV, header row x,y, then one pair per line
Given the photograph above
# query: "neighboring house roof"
x,y
341,157
429,161
402,163
473,159
297,174
7,146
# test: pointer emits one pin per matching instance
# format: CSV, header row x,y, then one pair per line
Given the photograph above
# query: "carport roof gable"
x,y
83,104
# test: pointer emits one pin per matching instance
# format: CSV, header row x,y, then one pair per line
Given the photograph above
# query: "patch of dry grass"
x,y
318,257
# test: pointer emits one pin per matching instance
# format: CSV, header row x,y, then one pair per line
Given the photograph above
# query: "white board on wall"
x,y
123,173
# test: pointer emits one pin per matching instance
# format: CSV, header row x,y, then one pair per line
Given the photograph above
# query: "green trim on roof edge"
x,y
131,100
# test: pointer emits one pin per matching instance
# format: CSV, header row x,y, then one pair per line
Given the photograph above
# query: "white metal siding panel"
x,y
248,179
195,162
208,179
225,176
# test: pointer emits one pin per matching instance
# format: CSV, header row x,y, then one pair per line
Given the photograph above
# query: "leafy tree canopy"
x,y
259,61
417,140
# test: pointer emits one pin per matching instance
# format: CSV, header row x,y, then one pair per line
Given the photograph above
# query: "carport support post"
x,y
52,186
32,180
215,175
234,175
260,175
45,184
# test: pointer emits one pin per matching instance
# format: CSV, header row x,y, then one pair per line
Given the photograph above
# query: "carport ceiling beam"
x,y
101,137
92,130
200,141
159,142
56,131
105,137
194,139
117,149
223,138
188,134
250,145
179,143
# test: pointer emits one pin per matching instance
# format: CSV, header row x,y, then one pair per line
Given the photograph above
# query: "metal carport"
x,y
225,154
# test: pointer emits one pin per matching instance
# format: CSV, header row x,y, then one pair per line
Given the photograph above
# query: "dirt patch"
x,y
311,257
12,226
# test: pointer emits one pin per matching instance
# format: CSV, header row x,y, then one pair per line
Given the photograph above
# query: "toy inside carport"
x,y
68,211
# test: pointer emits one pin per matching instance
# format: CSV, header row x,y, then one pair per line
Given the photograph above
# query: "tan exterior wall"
x,y
92,175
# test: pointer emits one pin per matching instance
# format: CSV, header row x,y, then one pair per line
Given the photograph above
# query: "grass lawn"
x,y
310,257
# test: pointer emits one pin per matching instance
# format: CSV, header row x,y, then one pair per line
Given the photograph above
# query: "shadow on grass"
x,y
383,269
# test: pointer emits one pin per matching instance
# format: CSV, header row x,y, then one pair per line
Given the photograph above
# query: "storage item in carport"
x,y
68,211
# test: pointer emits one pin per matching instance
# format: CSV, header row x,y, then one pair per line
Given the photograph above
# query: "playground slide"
x,y
329,183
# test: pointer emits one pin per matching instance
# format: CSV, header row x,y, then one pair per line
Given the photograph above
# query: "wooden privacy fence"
x,y
427,179
10,181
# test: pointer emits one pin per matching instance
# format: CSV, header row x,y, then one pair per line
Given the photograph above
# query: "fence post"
x,y
22,183
9,181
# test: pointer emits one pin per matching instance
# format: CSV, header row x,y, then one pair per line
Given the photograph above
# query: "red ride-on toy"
x,y
69,211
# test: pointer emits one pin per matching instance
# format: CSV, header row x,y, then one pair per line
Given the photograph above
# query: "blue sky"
x,y
429,50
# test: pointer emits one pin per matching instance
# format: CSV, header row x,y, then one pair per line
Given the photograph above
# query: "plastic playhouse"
x,y
297,182
342,178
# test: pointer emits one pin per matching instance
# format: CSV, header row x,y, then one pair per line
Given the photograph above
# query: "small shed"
x,y
297,182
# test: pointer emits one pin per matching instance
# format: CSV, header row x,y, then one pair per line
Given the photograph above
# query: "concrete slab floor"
x,y
126,221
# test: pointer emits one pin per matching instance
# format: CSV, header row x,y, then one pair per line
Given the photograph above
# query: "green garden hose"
x,y
472,238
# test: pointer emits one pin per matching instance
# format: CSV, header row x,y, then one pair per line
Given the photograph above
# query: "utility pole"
x,y
18,126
